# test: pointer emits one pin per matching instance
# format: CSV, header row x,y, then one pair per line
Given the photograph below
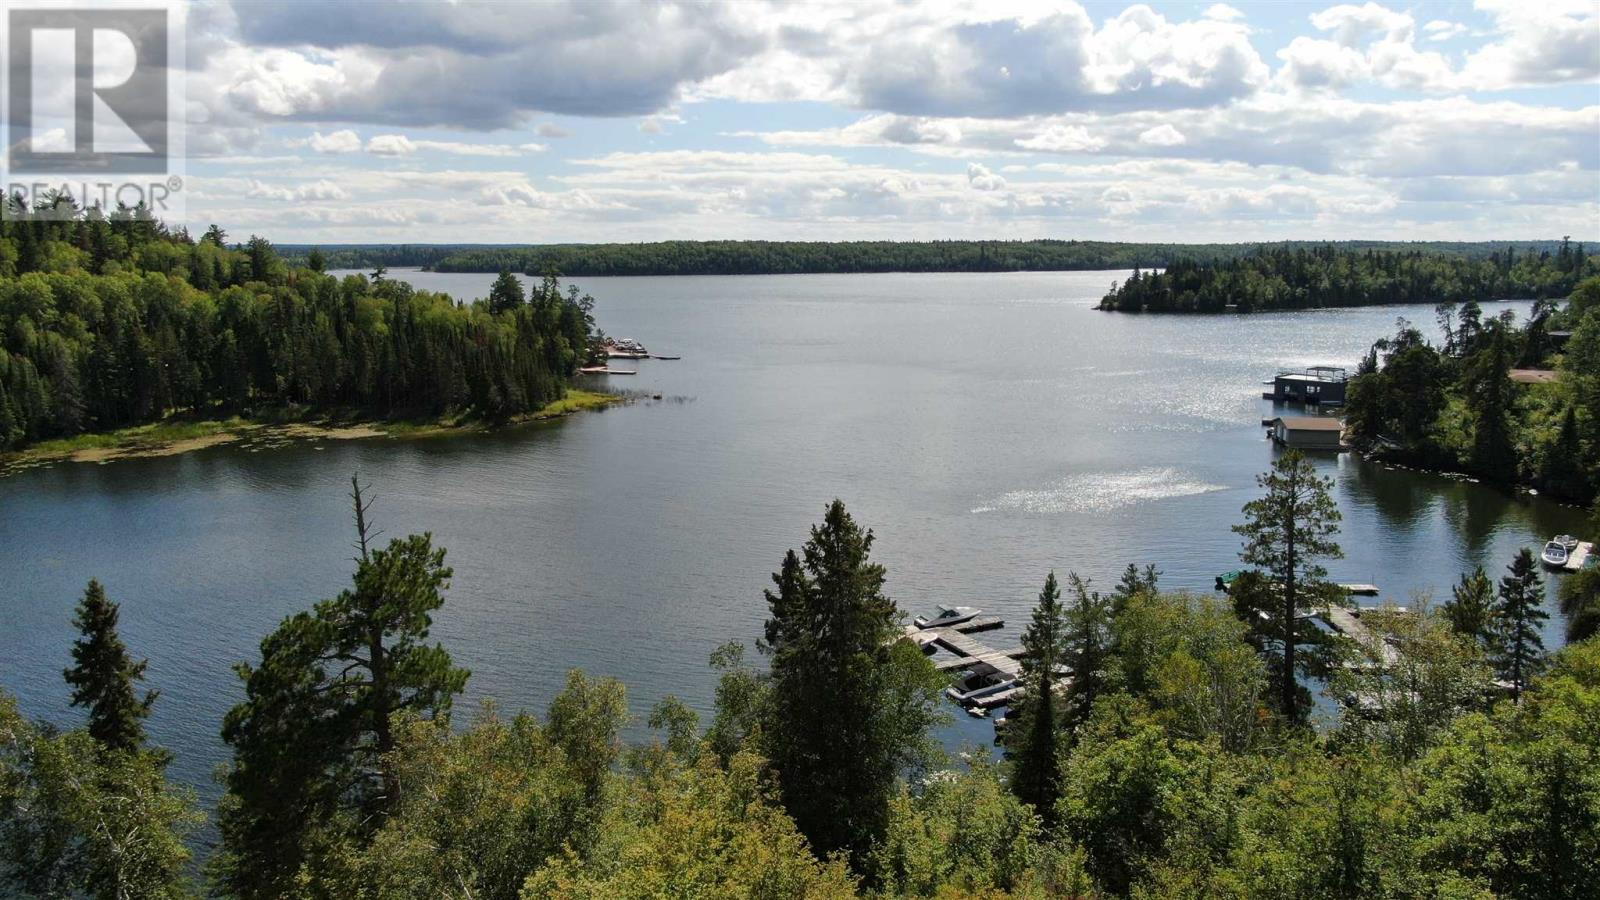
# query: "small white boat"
x,y
1554,554
947,615
1567,541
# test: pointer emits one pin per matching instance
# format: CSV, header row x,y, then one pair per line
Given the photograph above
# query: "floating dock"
x,y
1578,557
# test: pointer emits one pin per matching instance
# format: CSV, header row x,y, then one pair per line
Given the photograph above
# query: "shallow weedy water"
x,y
988,427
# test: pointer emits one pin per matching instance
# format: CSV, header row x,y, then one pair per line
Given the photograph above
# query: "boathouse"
x,y
1315,386
1308,432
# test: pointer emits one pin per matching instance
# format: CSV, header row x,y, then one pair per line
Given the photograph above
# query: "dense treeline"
x,y
1288,277
1148,759
801,257
1455,407
111,321
371,256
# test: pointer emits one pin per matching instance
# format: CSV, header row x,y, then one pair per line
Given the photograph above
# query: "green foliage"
x,y
703,831
312,737
740,703
1516,646
1580,603
1133,797
1086,650
480,810
79,818
1287,531
1285,276
1413,677
960,832
1034,734
158,324
1470,609
103,675
850,703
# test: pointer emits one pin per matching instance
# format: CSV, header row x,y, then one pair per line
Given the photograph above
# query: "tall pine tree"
x,y
1088,650
1286,532
1517,648
311,737
1034,735
103,675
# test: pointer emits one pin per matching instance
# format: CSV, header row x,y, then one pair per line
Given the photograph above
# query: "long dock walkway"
x,y
967,650
1348,622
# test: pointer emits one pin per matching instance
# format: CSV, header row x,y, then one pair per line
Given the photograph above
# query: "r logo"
x,y
88,90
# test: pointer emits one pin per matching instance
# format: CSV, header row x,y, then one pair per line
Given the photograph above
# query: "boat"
x,y
978,683
666,357
1567,541
1226,579
947,615
1554,555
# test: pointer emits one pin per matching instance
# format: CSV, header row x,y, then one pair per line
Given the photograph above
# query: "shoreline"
x,y
171,438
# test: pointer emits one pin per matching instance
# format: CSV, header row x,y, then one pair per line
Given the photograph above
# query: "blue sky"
x,y
835,119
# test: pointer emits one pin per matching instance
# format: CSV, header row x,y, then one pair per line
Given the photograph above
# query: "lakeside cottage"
x,y
1308,432
1314,386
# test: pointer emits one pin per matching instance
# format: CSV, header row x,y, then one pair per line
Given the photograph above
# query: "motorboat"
x,y
947,615
1554,554
1567,541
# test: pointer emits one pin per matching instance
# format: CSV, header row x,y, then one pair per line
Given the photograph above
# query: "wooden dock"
x,y
1578,557
1360,590
1348,622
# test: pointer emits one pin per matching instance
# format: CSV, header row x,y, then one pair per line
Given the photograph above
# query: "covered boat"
x,y
947,615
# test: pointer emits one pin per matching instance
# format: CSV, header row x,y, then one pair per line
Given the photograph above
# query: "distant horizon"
x,y
292,245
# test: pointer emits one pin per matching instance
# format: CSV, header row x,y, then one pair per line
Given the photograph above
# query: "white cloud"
x,y
981,179
345,141
317,190
401,145
1442,30
1162,135
1223,12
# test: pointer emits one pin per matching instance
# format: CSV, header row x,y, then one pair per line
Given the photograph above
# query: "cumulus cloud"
x,y
981,179
1162,136
471,64
344,141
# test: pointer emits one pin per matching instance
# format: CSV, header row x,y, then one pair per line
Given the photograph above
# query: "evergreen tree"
x,y
1470,609
103,675
1562,473
1088,650
1517,648
316,261
1580,603
311,737
1491,396
850,703
1133,583
1035,728
506,293
1286,532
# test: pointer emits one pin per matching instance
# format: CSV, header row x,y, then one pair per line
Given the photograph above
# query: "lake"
x,y
989,428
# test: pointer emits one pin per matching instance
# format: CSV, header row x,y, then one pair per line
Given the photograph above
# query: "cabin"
x,y
1314,386
1308,432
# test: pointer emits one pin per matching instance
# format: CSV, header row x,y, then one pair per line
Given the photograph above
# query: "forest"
x,y
801,257
1457,408
1158,750
1313,277
108,321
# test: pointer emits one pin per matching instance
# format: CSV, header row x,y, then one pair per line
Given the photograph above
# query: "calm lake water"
x,y
990,428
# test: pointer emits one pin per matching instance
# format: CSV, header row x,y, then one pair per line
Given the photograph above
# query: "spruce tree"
x,y
506,293
1286,532
1034,734
1088,650
103,675
850,703
1517,648
1470,609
